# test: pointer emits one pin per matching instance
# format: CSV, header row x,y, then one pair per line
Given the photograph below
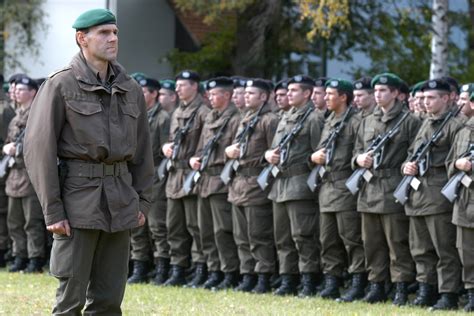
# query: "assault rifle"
x,y
329,144
376,147
166,164
451,189
421,157
243,137
8,161
193,177
264,176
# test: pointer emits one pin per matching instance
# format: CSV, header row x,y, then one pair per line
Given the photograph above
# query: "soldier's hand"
x,y
9,149
60,228
319,157
233,151
410,169
141,219
463,164
168,149
273,156
195,163
365,160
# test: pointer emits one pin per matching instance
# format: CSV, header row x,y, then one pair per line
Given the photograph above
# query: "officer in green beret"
x,y
340,224
91,116
168,98
384,223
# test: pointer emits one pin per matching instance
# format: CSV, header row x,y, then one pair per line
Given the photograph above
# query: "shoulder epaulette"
x,y
54,73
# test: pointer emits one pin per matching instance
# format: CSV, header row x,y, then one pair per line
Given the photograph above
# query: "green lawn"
x,y
22,294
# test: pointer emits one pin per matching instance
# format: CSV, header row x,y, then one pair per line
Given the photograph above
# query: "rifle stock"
x,y
4,166
190,181
228,171
313,178
403,189
353,183
163,169
451,189
264,177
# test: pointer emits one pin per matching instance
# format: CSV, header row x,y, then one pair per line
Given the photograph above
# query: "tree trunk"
x,y
439,42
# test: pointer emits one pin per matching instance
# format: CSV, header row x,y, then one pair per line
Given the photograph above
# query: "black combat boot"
x,y
331,287
177,276
19,264
200,275
446,302
263,284
140,272
401,294
215,277
426,295
308,285
357,289
3,262
162,270
469,307
248,283
376,293
288,285
275,281
231,279
35,265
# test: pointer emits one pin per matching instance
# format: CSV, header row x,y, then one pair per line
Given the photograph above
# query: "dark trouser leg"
x,y
464,238
349,227
333,254
179,238
4,238
190,209
423,251
260,232
224,238
286,248
16,223
158,229
304,221
375,248
34,227
241,237
206,229
141,243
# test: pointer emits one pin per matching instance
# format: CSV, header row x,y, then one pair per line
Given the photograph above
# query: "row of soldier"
x,y
216,210
253,189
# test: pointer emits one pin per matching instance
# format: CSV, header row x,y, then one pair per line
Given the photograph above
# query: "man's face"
x,y
420,102
334,100
219,98
318,97
463,102
296,95
167,98
101,42
186,89
11,91
435,102
383,96
254,97
24,94
281,99
238,97
150,97
363,99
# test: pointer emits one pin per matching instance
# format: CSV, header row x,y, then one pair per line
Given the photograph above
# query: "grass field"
x,y
22,294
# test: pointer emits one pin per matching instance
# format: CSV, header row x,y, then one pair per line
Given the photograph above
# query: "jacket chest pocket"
x,y
86,120
130,114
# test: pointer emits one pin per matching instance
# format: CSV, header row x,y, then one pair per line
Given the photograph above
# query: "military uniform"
x,y
214,211
384,223
295,209
25,219
432,236
99,131
181,217
252,213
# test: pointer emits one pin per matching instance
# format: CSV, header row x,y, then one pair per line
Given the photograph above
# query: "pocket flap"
x,y
84,107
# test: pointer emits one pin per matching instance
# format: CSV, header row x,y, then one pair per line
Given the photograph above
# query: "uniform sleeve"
x,y
316,129
453,156
141,166
45,122
359,145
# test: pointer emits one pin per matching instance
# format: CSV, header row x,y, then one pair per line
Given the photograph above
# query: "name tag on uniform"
x,y
275,171
415,183
367,175
466,181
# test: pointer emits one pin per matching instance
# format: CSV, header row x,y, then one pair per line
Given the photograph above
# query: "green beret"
x,y
471,97
168,85
93,18
138,76
417,87
468,87
340,84
387,78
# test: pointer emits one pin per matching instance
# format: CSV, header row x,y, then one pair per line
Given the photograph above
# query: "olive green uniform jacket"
x,y
75,117
376,196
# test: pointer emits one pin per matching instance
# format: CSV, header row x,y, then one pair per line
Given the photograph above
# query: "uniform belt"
x,y
435,171
389,172
181,164
86,169
213,171
295,170
337,175
249,171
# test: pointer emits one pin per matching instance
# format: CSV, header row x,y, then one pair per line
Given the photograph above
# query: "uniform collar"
x,y
391,114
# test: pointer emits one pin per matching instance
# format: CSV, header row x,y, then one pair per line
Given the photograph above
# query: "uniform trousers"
x,y
296,229
433,247
386,247
341,243
465,245
253,234
91,266
4,238
215,226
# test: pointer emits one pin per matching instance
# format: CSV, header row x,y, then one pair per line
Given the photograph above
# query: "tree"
x,y
439,41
